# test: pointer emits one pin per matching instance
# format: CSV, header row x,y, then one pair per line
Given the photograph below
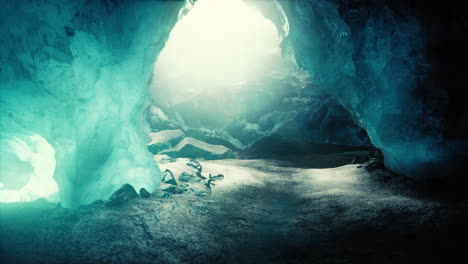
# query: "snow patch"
x,y
193,148
165,136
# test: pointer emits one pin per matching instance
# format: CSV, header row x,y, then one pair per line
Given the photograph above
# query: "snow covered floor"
x,y
259,213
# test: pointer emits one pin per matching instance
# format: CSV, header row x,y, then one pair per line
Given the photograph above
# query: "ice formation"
x,y
372,56
328,122
75,73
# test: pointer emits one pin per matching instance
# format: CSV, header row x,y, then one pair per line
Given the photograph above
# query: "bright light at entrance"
x,y
219,43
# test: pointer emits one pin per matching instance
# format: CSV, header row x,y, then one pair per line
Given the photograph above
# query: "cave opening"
x,y
27,165
223,88
215,49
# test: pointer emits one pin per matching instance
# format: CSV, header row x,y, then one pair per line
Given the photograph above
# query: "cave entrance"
x,y
27,164
214,50
221,85
221,77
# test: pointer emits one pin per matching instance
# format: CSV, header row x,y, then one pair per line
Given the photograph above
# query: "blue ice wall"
x,y
373,61
327,122
75,73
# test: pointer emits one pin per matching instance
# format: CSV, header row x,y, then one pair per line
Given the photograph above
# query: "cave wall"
x,y
76,74
396,66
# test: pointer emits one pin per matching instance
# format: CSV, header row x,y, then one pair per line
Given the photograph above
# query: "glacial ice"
x,y
75,73
373,61
328,122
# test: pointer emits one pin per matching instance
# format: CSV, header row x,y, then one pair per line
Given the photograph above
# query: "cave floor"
x,y
260,213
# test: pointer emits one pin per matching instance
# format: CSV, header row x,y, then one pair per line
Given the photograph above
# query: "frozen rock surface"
x,y
170,188
259,213
195,165
123,195
144,193
190,178
168,178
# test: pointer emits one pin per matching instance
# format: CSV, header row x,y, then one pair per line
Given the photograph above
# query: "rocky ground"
x,y
261,212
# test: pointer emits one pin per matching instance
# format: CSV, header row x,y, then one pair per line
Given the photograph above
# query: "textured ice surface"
x,y
328,122
372,61
75,73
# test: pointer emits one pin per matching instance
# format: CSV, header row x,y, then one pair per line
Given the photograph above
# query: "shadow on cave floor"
x,y
260,213
304,154
318,161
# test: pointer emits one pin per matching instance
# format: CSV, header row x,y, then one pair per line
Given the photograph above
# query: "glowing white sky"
x,y
219,43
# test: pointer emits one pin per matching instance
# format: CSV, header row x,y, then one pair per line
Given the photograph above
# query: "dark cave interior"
x,y
326,131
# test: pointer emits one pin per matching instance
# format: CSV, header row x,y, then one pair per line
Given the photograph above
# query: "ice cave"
x,y
233,131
